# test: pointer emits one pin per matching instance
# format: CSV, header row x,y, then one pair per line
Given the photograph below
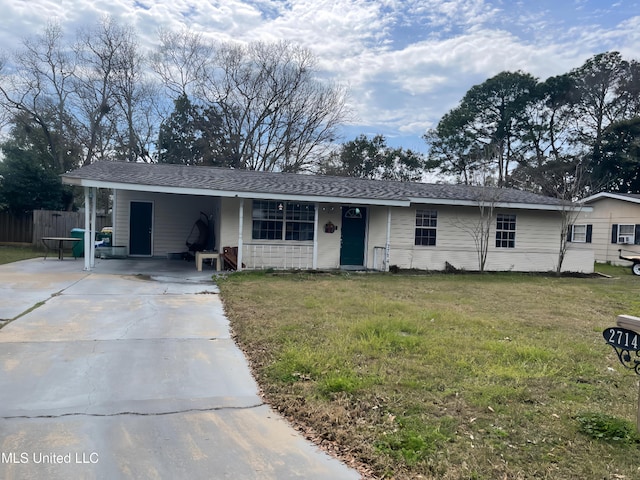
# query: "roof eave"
x,y
613,196
83,182
509,205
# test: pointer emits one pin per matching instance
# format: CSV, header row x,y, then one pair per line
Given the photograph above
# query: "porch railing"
x,y
282,257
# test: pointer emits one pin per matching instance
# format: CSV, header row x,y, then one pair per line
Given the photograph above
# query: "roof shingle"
x,y
318,186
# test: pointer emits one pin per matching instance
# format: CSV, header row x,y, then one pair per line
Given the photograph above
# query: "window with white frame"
x,y
627,234
426,226
299,221
505,231
277,220
579,234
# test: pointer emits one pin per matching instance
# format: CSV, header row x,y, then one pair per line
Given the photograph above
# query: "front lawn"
x,y
12,253
466,376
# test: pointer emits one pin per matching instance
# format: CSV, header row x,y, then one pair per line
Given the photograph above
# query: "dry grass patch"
x,y
446,376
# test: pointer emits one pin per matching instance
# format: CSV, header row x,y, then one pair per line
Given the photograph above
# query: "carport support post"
x,y
240,228
87,222
314,261
92,249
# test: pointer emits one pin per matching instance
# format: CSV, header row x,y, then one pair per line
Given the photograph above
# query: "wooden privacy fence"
x,y
43,223
16,228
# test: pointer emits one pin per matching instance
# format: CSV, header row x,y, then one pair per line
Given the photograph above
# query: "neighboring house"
x,y
612,224
294,221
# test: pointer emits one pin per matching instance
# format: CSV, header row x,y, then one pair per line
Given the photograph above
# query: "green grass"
x,y
10,254
447,376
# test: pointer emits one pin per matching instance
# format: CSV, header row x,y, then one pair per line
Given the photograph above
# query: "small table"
x,y
60,241
200,256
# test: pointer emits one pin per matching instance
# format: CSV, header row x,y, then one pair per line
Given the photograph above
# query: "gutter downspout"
x,y
387,246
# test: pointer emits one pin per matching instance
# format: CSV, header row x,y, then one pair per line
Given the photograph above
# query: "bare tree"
x,y
183,61
38,87
568,185
276,112
136,111
100,52
79,94
486,199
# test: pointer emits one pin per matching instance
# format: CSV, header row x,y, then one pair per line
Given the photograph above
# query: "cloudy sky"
x,y
406,62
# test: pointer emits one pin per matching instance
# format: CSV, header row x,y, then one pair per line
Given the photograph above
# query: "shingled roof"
x,y
251,184
627,197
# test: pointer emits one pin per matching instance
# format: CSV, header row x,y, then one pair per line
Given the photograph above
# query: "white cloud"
x,y
407,62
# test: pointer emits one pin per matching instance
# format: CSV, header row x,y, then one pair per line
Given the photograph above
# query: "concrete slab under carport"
x,y
141,284
27,283
72,318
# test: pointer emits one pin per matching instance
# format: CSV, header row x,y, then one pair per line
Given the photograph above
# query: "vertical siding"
x,y
229,221
329,243
607,212
173,218
377,233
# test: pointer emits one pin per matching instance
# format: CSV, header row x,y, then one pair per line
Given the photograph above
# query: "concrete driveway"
x,y
111,375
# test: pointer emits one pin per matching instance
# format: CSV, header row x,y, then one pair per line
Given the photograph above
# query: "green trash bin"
x,y
78,247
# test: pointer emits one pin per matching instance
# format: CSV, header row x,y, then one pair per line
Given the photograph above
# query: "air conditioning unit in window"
x,y
624,239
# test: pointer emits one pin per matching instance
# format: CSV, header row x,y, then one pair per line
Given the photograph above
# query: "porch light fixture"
x,y
280,206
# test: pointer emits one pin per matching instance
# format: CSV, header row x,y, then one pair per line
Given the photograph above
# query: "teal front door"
x,y
354,223
140,228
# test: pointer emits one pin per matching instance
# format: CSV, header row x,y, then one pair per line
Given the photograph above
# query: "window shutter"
x,y
637,235
569,233
589,233
614,233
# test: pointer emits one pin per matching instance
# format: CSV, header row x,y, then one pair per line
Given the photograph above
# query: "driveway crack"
x,y
6,321
137,414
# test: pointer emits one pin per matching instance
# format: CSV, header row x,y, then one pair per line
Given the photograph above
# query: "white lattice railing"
x,y
282,257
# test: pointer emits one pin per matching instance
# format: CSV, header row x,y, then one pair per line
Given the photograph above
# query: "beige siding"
x,y
260,254
537,236
329,243
607,212
173,218
229,221
536,248
376,236
537,241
